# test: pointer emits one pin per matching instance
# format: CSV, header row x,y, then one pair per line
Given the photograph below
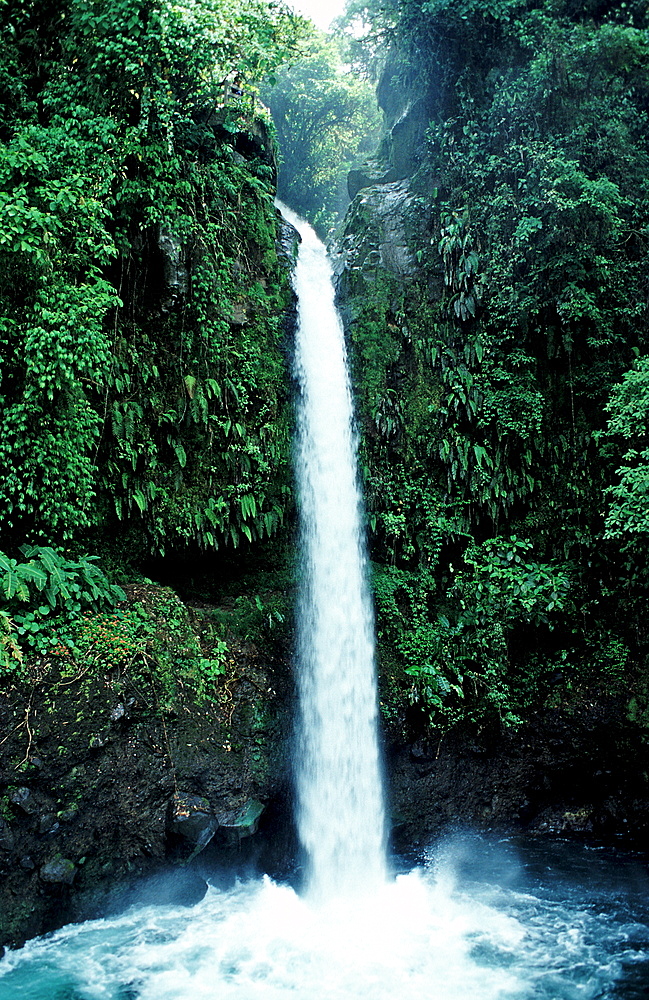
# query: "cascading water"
x,y
475,919
340,803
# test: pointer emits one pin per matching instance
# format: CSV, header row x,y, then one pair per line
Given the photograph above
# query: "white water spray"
x,y
340,803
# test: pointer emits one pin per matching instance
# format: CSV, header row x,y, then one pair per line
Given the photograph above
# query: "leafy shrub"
x,y
452,643
45,595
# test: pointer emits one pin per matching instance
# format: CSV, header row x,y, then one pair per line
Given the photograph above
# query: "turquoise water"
x,y
472,920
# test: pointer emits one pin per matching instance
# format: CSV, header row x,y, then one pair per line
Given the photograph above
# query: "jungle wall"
x,y
145,321
492,273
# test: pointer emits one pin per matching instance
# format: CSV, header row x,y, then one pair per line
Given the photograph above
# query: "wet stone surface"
x,y
93,800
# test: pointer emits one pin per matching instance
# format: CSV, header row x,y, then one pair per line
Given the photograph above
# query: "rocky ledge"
x,y
579,772
101,783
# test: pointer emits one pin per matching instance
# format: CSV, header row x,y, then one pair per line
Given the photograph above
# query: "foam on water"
x,y
427,935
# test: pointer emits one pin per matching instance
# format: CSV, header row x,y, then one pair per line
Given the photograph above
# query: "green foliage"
x,y
178,656
108,641
141,297
483,383
44,596
148,650
628,514
64,582
260,618
453,636
424,651
11,655
511,586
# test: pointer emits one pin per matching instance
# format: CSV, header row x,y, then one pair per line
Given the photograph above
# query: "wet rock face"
x,y
256,143
383,226
557,776
252,140
408,111
372,172
82,817
376,237
238,824
407,135
288,241
59,871
176,276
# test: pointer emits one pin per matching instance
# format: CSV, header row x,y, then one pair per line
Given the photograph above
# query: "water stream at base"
x,y
474,918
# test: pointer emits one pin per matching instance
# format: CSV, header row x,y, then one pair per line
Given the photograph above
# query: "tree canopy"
x,y
326,117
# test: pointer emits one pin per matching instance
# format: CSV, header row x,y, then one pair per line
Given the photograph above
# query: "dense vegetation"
x,y
143,398
504,387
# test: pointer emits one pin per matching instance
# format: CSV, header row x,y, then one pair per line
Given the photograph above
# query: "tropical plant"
x,y
483,381
43,596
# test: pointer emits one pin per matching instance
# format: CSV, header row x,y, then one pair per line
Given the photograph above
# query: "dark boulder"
x,y
191,817
59,871
24,800
237,824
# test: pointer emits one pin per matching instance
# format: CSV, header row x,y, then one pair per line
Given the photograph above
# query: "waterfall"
x,y
340,812
473,919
